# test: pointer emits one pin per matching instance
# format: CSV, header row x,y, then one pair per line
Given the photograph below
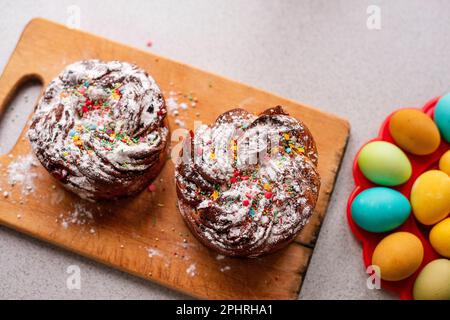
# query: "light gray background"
x,y
317,52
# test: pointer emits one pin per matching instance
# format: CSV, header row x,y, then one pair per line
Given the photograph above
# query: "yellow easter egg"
x,y
414,131
398,256
444,163
433,282
440,238
430,197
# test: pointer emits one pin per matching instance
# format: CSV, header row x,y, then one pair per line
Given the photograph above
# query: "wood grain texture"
x,y
121,233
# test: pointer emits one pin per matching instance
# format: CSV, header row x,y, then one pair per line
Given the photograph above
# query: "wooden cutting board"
x,y
145,235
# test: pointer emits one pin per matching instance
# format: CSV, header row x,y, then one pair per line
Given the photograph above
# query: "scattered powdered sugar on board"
x,y
186,245
177,101
154,253
191,270
226,268
57,197
180,123
172,103
220,257
80,215
20,171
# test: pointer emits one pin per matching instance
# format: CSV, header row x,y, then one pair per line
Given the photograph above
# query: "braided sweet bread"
x,y
248,184
100,129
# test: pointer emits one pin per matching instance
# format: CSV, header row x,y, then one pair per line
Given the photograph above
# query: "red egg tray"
x,y
370,240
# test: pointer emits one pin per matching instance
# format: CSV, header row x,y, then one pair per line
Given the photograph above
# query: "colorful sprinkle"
x,y
116,94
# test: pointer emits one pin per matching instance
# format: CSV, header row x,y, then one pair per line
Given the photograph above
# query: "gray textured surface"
x,y
316,52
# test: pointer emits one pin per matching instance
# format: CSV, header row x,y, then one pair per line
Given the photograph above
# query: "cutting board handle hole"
x,y
16,112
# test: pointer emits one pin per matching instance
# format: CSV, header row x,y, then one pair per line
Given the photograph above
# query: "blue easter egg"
x,y
442,116
380,209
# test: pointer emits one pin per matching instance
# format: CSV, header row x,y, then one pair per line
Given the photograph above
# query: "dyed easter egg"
x,y
398,256
442,116
384,163
430,197
433,282
414,131
380,209
440,238
444,163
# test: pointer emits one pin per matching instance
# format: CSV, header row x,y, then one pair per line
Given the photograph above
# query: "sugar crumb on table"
x,y
192,270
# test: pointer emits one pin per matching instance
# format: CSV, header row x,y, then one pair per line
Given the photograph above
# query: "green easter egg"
x,y
433,282
384,163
